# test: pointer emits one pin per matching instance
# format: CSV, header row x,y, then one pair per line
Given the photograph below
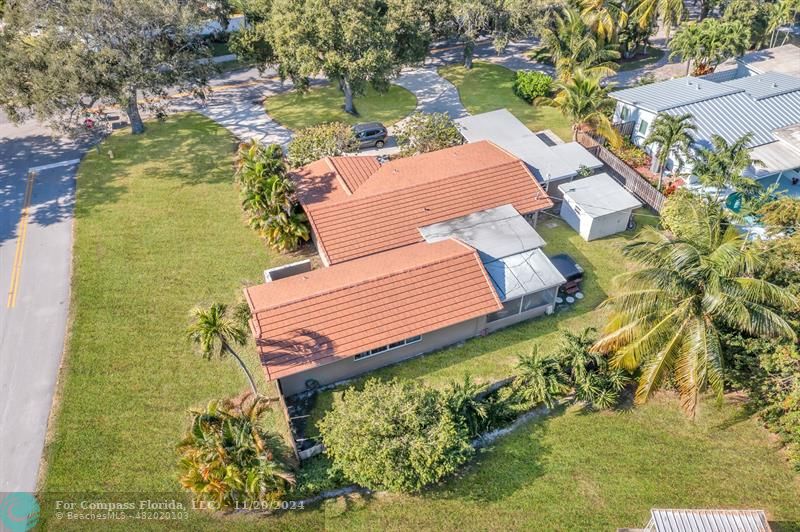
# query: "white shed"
x,y
597,206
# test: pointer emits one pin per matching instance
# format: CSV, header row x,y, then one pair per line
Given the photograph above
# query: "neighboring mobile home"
x,y
420,253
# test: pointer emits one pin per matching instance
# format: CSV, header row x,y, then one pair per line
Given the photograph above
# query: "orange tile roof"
x,y
360,226
332,178
441,164
316,318
354,171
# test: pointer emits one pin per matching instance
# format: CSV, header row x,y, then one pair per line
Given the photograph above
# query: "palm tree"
x,y
781,13
670,12
709,42
540,378
585,103
722,164
666,317
463,400
569,45
215,329
687,44
672,135
227,457
604,17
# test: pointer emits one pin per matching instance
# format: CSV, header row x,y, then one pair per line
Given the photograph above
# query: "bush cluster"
x,y
426,132
402,436
530,85
324,140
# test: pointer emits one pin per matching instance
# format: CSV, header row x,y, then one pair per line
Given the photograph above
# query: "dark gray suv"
x,y
370,134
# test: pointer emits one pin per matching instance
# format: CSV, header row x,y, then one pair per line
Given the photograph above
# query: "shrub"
x,y
594,381
227,457
468,408
530,85
324,140
632,154
424,132
399,436
268,196
683,211
540,378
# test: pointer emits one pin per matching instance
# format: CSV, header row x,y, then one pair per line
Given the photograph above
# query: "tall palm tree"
x,y
569,45
540,378
670,12
672,135
722,164
214,329
228,458
586,104
666,316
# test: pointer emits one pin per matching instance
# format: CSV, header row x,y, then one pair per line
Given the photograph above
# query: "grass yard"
x,y
158,229
641,60
487,87
598,471
297,110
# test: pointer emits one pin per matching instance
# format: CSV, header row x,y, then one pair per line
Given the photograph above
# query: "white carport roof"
x,y
708,520
549,163
599,195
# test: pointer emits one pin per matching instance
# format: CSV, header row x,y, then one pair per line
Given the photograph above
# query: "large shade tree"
x,y
61,60
667,316
353,43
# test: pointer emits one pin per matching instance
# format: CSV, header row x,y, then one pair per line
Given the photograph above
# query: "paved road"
x,y
35,257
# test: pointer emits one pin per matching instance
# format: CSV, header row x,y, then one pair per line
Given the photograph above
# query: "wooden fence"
x,y
627,176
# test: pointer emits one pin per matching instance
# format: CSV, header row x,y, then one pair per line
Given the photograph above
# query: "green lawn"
x,y
487,87
598,471
641,60
297,110
158,229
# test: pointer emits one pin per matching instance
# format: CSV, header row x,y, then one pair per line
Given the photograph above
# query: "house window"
x,y
624,113
643,127
384,348
510,308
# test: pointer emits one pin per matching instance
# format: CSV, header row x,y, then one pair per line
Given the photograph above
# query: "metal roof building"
x,y
707,521
548,162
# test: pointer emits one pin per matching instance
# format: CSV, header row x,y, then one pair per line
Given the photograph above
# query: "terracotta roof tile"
x,y
354,171
319,317
363,225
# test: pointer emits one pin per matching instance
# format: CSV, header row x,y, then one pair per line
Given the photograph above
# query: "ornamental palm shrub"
x,y
397,435
667,315
671,135
540,378
228,458
595,383
465,402
267,194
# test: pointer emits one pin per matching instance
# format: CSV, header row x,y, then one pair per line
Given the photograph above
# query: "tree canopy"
x,y
62,62
710,42
354,43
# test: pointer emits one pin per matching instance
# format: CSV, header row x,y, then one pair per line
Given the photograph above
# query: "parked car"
x,y
370,134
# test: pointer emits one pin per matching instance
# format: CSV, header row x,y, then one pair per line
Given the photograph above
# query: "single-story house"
x,y
419,253
782,59
550,159
764,104
707,521
597,206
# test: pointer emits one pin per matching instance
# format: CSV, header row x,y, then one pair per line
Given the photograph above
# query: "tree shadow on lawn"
x,y
175,149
